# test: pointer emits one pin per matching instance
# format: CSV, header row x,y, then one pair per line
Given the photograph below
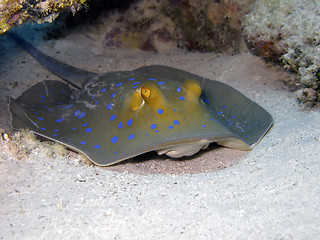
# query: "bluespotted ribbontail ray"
x,y
114,116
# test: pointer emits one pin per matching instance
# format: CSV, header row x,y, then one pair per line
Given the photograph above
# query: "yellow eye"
x,y
145,92
193,88
136,101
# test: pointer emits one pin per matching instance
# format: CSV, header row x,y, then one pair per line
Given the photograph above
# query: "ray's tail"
x,y
72,75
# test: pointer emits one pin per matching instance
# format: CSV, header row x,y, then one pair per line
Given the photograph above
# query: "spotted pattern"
x,y
114,139
114,94
132,136
76,113
113,117
176,122
120,125
82,115
130,122
110,106
124,126
103,90
119,84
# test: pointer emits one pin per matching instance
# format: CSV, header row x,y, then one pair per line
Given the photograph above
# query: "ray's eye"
x,y
192,88
136,101
145,92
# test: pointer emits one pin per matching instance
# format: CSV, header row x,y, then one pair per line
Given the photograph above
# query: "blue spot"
x,y
57,130
176,122
56,134
134,87
43,128
233,116
103,90
119,84
206,101
230,123
175,109
147,135
59,120
113,117
85,124
40,118
76,113
179,89
97,102
114,94
153,126
114,139
181,98
36,113
61,90
171,127
152,79
93,97
82,115
116,153
132,136
157,131
247,136
160,111
49,109
223,106
160,83
110,106
213,119
69,106
130,122
82,142
41,100
120,125
136,83
98,146
89,130
130,79
43,97
220,113
74,129
204,126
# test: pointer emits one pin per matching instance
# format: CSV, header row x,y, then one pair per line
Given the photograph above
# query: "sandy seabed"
x,y
272,192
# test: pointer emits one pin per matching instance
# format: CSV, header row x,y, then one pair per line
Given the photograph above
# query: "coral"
x,y
20,145
203,25
208,25
15,12
289,32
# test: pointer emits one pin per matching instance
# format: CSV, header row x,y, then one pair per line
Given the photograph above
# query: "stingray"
x,y
115,116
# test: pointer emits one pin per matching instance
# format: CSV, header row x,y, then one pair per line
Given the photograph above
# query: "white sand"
x,y
272,192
